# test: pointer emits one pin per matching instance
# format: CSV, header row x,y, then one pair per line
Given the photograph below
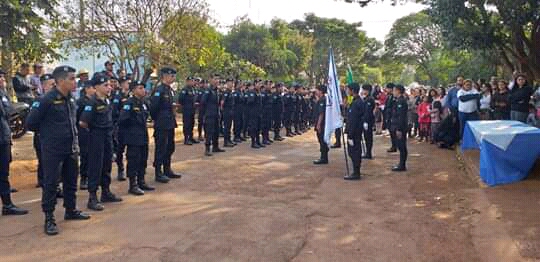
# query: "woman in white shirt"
x,y
485,102
468,104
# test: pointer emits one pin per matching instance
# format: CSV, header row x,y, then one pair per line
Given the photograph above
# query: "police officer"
x,y
210,105
399,126
47,82
88,91
119,98
277,111
203,85
163,114
186,99
288,109
252,108
369,119
355,128
266,113
319,126
298,109
8,208
97,118
239,104
132,120
53,115
387,114
227,105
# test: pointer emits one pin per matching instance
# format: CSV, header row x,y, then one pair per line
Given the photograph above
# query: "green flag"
x,y
350,79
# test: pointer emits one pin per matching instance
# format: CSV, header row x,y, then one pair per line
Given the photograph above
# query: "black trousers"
x,y
5,159
266,123
323,146
99,160
228,116
287,119
164,147
245,122
37,147
296,120
355,150
238,120
120,150
393,138
211,130
188,119
137,157
276,122
200,123
337,133
59,166
84,140
401,144
368,137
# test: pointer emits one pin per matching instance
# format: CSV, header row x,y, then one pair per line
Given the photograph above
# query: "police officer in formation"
x,y
399,126
119,98
8,208
288,112
187,99
163,113
238,118
266,112
369,119
210,108
387,115
84,133
277,111
53,115
97,117
356,117
227,105
202,85
132,121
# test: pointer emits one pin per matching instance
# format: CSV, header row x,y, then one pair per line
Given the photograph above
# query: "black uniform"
x,y
187,98
399,123
239,104
253,107
132,120
277,114
53,116
245,116
98,116
5,144
369,119
228,100
323,146
298,113
288,109
266,116
162,111
200,115
210,105
389,104
118,101
354,129
84,137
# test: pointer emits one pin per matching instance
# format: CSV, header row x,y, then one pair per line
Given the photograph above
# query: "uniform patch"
x,y
58,102
116,101
88,108
207,92
156,94
127,107
136,109
100,107
124,99
252,95
34,105
144,107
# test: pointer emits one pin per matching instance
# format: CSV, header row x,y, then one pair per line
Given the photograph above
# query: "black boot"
x,y
167,171
59,192
9,209
207,151
336,145
237,140
93,203
143,185
108,197
216,149
50,227
75,215
134,187
355,175
160,177
323,160
84,183
391,150
254,144
228,144
121,175
187,141
399,168
194,141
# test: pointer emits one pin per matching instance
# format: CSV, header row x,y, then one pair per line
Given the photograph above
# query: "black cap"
x,y
87,84
63,69
230,80
109,63
135,84
113,78
46,77
367,87
399,87
189,78
2,72
355,87
99,79
280,84
204,81
168,71
123,79
390,85
322,88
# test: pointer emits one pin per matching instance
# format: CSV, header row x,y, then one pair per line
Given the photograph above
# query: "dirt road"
x,y
274,205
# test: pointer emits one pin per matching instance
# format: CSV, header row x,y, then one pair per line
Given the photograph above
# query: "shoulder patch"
x,y
88,108
116,101
127,107
156,94
207,92
34,105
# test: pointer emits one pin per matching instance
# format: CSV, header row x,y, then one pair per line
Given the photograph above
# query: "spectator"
x,y
531,118
519,97
35,79
378,118
435,114
468,104
485,102
22,86
412,114
500,102
424,118
451,102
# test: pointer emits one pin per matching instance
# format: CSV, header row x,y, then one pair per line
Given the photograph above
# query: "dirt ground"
x,y
274,205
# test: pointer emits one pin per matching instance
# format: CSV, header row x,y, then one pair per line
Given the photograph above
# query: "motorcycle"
x,y
17,119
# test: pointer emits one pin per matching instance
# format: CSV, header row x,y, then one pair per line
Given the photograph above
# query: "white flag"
x,y
333,118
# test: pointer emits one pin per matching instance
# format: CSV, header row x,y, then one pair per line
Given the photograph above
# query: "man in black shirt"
x,y
186,99
355,128
399,126
319,125
210,106
369,119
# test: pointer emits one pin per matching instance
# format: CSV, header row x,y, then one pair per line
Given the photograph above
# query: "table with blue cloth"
x,y
508,149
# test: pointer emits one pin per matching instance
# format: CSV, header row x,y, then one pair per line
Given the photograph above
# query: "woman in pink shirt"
x,y
424,118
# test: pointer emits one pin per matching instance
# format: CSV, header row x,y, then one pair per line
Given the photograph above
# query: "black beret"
x,y
64,68
367,87
257,80
322,88
216,75
355,87
113,78
189,78
123,79
135,84
248,84
399,87
87,84
2,72
46,77
168,70
99,79
204,81
390,85
230,80
109,62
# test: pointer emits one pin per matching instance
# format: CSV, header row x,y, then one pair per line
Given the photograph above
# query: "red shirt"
x,y
423,113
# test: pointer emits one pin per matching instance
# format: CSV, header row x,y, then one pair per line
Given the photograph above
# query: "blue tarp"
x,y
508,149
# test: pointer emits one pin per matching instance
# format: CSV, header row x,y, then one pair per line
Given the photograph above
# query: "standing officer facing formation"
x,y
369,119
162,111
399,126
319,125
355,127
53,115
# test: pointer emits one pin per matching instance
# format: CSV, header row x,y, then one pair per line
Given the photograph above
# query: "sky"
x,y
377,19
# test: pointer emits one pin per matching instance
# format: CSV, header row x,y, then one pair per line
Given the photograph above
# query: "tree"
x,y
508,28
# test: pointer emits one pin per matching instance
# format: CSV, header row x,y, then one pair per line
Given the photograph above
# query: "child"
x,y
531,119
435,113
424,118
378,118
